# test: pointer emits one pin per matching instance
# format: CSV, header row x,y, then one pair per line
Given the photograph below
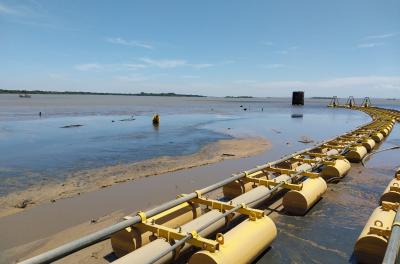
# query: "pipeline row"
x,y
302,178
372,244
234,230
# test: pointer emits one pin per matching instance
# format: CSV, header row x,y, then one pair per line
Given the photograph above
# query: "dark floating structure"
x,y
298,98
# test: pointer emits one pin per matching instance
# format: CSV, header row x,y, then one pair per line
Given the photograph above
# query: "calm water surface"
x,y
118,129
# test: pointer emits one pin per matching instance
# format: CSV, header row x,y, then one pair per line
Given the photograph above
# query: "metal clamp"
x,y
172,234
223,206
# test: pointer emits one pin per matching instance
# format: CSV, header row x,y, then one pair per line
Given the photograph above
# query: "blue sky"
x,y
218,48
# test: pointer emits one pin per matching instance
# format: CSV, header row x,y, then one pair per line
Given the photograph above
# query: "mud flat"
x,y
90,180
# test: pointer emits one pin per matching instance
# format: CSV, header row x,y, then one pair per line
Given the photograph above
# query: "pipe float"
x,y
372,242
131,238
242,244
377,137
356,153
238,187
392,192
368,143
299,202
338,169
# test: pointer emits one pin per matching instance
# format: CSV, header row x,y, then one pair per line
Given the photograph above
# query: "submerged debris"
x,y
297,115
276,131
71,126
305,140
127,119
24,203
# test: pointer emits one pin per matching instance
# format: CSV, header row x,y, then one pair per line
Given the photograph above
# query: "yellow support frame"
x,y
172,234
224,206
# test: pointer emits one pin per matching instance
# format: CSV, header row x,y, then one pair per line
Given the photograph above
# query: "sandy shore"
x,y
94,179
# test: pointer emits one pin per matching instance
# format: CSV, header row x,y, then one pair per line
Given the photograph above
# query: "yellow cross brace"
x,y
224,206
172,234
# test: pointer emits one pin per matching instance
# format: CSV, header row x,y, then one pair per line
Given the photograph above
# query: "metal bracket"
x,y
223,206
394,189
171,234
268,183
323,155
387,206
380,231
288,172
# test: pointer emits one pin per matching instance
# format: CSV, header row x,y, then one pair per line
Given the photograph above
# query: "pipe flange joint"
x,y
198,193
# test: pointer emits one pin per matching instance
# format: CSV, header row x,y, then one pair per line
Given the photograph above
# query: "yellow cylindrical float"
x,y
131,238
371,246
355,154
392,192
384,131
298,202
337,170
236,188
241,244
377,137
369,144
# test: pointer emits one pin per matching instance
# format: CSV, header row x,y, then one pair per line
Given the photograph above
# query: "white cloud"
x,y
267,43
383,36
164,63
135,65
133,43
201,65
88,66
370,45
141,63
8,10
167,63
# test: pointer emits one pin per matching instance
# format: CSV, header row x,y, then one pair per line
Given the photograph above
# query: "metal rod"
x,y
393,246
105,233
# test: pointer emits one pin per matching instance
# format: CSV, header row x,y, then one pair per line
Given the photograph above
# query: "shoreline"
x,y
94,179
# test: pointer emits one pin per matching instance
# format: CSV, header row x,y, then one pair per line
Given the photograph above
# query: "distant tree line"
x,y
5,91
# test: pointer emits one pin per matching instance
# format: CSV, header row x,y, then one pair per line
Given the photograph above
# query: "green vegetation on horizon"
x,y
4,91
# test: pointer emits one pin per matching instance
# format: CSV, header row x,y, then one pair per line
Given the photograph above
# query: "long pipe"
x,y
393,246
83,242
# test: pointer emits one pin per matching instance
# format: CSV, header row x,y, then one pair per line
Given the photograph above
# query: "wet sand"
x,y
94,179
